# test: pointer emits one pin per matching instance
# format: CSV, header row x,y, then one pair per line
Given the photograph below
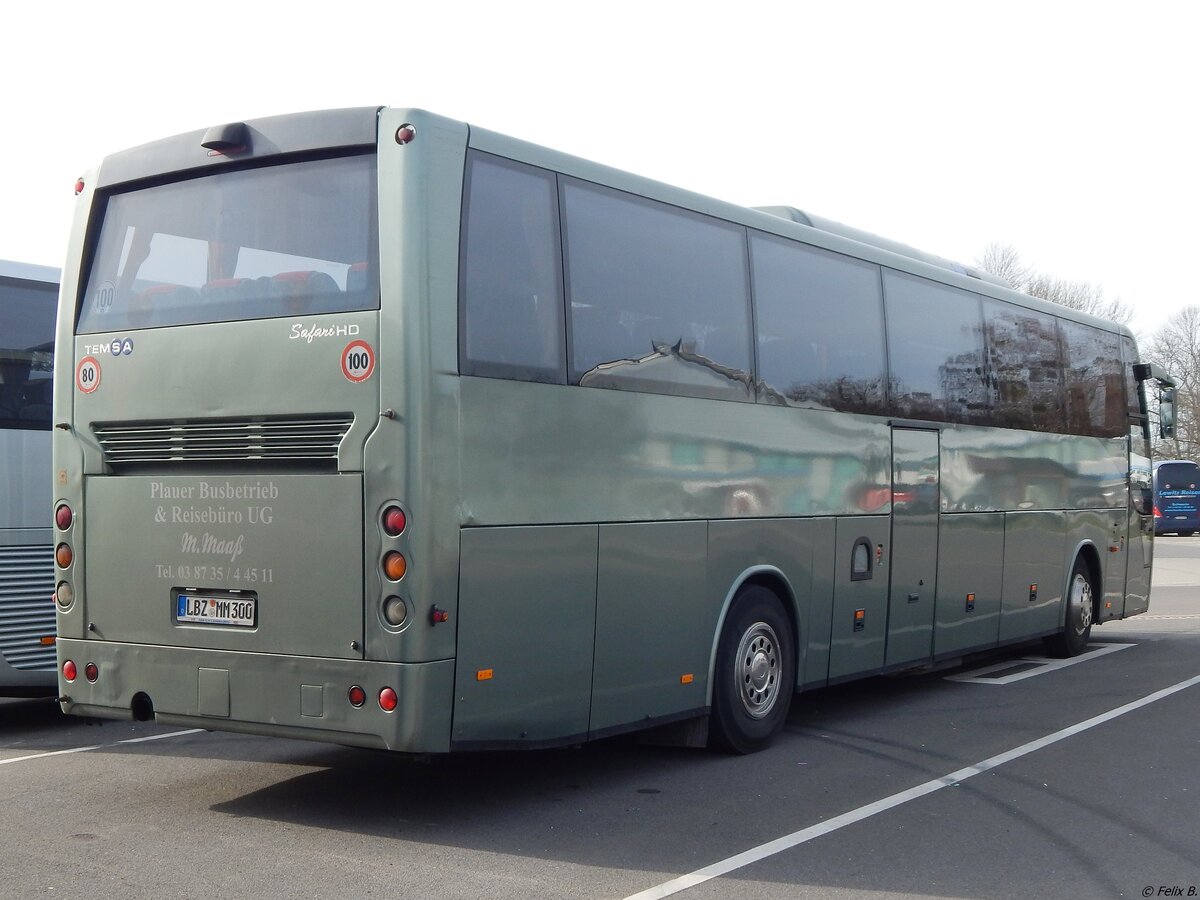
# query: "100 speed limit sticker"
x,y
358,361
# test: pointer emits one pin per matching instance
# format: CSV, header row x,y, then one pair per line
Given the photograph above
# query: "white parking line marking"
x,y
1033,665
755,854
140,740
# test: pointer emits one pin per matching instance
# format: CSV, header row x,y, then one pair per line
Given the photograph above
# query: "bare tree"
x,y
1176,348
1005,261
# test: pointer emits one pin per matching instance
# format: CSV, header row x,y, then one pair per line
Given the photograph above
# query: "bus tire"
x,y
1080,612
755,674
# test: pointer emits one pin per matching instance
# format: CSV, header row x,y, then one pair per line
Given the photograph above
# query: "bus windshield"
x,y
281,240
26,353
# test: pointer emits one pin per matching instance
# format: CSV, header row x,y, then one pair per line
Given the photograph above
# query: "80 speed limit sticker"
x,y
358,361
87,374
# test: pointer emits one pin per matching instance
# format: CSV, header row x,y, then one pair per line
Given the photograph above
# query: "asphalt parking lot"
x,y
1012,776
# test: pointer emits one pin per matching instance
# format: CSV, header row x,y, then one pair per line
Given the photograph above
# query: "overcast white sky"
x,y
1067,129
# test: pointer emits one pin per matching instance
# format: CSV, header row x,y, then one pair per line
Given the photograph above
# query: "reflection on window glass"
x,y
1133,391
289,239
820,327
1026,367
935,345
27,312
1095,384
511,281
659,296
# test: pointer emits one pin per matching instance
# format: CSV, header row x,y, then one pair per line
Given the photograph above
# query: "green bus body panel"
x,y
266,693
815,671
655,617
308,580
914,546
779,553
577,454
527,614
1034,547
858,651
970,561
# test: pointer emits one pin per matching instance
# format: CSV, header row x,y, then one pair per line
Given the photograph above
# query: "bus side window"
x,y
511,309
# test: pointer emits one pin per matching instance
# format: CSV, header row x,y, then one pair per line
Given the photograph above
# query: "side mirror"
x,y
1166,412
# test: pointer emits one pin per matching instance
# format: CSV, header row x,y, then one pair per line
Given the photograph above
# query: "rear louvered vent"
x,y
306,442
27,606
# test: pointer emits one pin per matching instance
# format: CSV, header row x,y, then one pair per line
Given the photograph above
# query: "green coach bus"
x,y
378,428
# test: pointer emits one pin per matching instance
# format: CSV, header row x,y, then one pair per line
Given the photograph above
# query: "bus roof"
x,y
29,272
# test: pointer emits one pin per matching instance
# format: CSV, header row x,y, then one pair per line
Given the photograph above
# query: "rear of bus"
x,y
1176,497
235,508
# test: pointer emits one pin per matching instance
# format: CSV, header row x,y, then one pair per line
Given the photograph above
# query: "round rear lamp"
x,y
92,671
388,700
357,696
394,565
69,670
63,517
64,594
395,611
64,556
394,521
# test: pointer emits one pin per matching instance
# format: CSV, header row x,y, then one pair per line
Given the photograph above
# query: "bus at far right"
x,y
1176,497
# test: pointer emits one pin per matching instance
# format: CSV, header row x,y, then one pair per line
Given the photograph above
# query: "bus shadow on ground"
x,y
587,804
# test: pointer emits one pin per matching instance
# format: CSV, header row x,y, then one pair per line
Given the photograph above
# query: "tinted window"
x,y
27,311
935,347
658,296
1095,384
820,327
511,282
1024,356
1181,476
283,240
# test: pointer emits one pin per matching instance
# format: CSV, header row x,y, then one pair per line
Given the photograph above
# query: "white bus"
x,y
28,299
379,428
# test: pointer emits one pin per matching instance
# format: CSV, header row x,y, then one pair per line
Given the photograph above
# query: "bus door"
x,y
916,502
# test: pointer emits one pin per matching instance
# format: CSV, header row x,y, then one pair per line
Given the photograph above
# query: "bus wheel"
x,y
1077,627
755,673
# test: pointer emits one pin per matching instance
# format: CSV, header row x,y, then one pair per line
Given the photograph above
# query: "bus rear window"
x,y
278,241
26,353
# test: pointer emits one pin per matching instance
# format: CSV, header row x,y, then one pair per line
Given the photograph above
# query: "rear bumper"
x,y
264,694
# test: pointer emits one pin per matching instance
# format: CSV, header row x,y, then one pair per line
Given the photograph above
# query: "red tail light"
x,y
69,670
63,517
91,671
1157,514
394,521
388,700
357,696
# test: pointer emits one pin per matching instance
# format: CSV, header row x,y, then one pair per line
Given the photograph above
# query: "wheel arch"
x,y
1087,551
775,581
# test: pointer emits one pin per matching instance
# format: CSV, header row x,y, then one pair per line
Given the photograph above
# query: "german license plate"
x,y
213,608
